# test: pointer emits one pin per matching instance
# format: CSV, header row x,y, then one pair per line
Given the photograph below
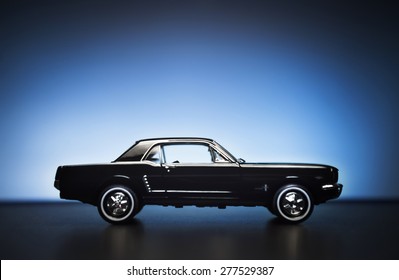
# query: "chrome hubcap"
x,y
117,204
293,203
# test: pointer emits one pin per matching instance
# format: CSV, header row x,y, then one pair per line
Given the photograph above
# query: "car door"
x,y
196,170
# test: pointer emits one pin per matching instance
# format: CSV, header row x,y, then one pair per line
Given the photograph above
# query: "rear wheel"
x,y
118,204
293,204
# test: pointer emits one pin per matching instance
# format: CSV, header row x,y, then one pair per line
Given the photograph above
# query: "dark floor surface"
x,y
336,230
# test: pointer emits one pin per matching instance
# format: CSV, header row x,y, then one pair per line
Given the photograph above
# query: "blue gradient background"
x,y
81,81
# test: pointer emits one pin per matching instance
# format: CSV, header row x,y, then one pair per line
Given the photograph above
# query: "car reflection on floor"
x,y
74,231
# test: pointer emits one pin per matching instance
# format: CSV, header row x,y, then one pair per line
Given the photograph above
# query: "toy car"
x,y
195,171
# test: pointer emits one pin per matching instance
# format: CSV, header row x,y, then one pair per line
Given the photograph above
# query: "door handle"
x,y
168,167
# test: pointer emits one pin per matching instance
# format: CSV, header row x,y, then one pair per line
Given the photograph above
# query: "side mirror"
x,y
240,160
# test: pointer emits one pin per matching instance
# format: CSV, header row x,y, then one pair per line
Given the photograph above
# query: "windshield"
x,y
220,147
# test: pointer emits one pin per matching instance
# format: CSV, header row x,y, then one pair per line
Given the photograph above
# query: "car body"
x,y
195,171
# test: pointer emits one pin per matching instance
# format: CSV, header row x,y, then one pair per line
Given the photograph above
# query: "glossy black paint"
x,y
229,182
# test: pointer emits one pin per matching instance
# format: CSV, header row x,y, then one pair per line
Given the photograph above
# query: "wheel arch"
x,y
121,180
300,185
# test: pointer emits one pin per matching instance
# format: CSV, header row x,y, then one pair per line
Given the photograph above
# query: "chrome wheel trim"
x,y
293,203
117,204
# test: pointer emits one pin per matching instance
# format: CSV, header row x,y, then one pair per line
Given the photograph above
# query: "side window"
x,y
187,153
217,157
154,155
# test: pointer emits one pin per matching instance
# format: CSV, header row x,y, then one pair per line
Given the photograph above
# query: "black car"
x,y
195,171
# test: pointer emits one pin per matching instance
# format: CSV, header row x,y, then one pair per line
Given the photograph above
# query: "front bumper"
x,y
332,191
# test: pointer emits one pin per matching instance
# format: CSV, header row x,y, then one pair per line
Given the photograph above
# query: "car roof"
x,y
172,139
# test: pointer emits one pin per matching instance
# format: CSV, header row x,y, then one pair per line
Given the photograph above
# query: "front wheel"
x,y
293,204
118,204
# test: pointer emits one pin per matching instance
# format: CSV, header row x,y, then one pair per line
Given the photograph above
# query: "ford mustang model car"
x,y
195,171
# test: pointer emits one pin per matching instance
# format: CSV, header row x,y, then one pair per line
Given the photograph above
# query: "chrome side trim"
x,y
264,188
186,191
121,176
270,165
292,177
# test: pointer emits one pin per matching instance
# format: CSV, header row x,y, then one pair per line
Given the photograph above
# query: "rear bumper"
x,y
57,178
57,184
